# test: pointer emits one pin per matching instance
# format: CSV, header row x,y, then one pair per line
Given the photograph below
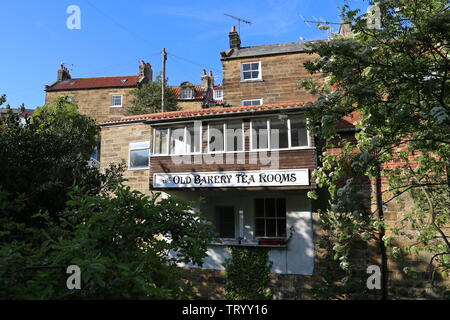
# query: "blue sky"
x,y
115,35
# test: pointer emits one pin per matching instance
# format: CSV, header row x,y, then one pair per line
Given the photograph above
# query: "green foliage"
x,y
397,79
247,274
147,98
48,155
122,241
56,211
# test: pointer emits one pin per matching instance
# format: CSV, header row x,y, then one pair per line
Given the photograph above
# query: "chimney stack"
x,y
63,73
207,80
211,79
145,72
235,40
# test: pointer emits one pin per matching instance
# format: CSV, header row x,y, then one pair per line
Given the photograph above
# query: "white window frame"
x,y
191,93
260,102
225,137
220,97
308,136
259,71
112,100
276,218
169,132
137,146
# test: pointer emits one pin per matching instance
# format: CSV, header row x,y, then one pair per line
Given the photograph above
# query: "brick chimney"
x,y
145,72
63,73
235,40
207,80
211,77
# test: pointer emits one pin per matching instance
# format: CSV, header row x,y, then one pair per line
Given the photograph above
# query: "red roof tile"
x,y
348,122
91,83
209,111
198,92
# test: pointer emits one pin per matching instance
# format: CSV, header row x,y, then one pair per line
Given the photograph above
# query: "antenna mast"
x,y
239,21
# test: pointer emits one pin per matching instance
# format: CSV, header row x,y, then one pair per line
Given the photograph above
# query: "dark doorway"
x,y
225,221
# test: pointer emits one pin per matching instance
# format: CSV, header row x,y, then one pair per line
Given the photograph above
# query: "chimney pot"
x,y
145,71
235,40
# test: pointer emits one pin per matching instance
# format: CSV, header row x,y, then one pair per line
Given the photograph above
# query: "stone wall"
x,y
96,103
280,76
115,148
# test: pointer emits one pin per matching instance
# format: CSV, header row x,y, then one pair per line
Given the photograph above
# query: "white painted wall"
x,y
297,258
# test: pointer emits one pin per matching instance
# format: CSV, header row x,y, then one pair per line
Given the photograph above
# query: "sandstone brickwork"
x,y
280,77
115,148
96,103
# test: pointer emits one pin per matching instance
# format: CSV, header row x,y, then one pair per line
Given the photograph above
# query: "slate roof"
x,y
267,49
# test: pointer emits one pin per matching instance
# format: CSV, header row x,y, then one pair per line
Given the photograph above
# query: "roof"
x,y
199,91
26,113
348,122
268,49
92,83
208,112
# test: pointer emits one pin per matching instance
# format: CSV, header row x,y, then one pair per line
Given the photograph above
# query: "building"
x,y
23,113
107,98
265,74
250,159
102,98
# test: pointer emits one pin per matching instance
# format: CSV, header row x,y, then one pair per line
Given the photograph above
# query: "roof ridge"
x,y
134,75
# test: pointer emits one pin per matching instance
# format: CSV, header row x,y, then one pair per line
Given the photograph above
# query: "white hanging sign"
x,y
227,179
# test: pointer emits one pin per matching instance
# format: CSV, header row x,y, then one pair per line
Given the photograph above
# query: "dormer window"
x,y
186,90
187,93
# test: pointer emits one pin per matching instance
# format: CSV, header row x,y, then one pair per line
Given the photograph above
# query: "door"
x,y
225,222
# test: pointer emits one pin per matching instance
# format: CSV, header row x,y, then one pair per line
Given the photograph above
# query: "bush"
x,y
121,242
247,274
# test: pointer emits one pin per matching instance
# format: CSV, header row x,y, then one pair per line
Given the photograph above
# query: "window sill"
x,y
175,155
253,244
252,80
137,169
116,106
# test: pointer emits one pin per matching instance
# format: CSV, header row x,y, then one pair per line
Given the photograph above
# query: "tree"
x,y
56,211
122,241
147,98
46,156
396,78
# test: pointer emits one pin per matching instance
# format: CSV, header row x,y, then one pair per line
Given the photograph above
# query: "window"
x,y
260,136
160,145
279,133
116,101
226,136
251,71
187,93
270,215
216,137
299,134
218,94
139,155
225,224
252,102
183,139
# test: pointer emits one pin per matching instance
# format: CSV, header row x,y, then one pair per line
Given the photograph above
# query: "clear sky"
x,y
115,35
